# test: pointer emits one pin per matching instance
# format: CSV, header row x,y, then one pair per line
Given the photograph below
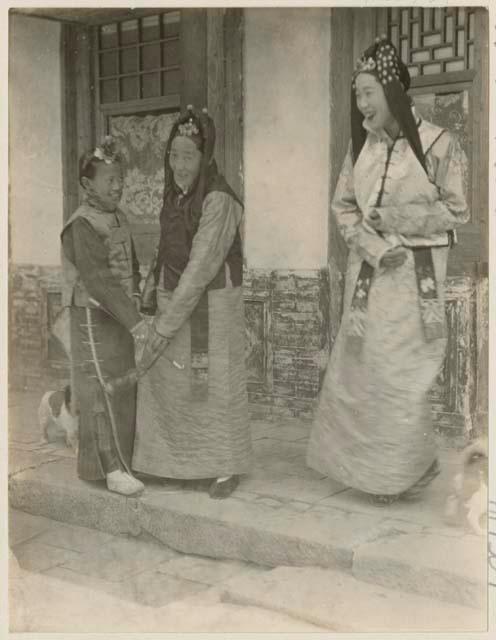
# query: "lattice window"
x,y
433,40
139,58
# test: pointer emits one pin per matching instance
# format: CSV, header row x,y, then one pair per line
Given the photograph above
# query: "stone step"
x,y
341,603
41,603
375,547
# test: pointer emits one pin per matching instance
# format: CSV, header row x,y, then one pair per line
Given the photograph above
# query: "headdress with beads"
x,y
382,61
199,127
106,152
194,126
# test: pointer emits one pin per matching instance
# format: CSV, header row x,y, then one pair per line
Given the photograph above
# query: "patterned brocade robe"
x,y
186,427
372,428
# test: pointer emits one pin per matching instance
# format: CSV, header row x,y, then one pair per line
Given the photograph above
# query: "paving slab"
x,y
24,526
22,460
120,559
36,557
205,570
81,539
282,514
341,603
85,609
449,569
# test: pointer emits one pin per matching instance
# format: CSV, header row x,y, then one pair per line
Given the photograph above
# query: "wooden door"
x,y
145,71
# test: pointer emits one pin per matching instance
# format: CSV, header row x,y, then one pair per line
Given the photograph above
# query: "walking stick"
x,y
133,375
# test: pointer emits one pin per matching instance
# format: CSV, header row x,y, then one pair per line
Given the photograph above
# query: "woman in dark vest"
x,y
192,401
101,290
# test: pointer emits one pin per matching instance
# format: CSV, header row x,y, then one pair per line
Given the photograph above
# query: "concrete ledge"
x,y
453,570
341,603
375,546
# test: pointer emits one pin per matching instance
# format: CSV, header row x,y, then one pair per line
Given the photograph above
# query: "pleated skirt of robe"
x,y
373,426
188,429
115,352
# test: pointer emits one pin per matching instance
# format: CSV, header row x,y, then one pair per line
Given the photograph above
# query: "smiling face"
x,y
107,183
372,103
185,159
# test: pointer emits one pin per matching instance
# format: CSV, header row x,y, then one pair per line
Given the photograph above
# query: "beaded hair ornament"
x,y
106,151
189,129
383,63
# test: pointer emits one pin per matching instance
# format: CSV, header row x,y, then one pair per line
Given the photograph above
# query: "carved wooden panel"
x,y
256,339
453,393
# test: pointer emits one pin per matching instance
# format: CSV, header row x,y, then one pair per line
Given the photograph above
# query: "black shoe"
x,y
415,491
222,489
380,500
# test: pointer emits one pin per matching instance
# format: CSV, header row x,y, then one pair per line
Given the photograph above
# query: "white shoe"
x,y
121,482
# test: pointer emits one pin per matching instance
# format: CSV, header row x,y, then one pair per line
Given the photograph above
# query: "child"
x,y
101,289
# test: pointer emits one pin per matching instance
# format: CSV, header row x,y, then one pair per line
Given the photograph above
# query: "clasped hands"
x,y
148,344
395,256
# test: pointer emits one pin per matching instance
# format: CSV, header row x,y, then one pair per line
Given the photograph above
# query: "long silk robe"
x,y
372,429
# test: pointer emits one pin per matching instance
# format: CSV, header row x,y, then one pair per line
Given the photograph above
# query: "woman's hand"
x,y
393,258
140,334
154,346
375,220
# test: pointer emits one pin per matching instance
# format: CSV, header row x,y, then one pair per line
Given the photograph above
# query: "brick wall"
x,y
287,328
288,344
34,300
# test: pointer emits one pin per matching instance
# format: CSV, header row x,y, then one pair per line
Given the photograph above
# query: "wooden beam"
x,y
78,128
234,99
341,69
365,30
480,137
87,16
216,80
85,89
69,115
194,57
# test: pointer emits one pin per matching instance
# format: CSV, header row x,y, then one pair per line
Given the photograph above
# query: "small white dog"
x,y
467,504
57,417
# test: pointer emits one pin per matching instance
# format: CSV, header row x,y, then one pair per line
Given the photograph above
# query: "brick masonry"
x,y
34,299
287,318
288,343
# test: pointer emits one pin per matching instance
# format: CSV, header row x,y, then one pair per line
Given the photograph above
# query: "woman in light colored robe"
x,y
399,197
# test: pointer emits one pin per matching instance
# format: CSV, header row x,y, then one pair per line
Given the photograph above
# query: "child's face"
x,y
107,184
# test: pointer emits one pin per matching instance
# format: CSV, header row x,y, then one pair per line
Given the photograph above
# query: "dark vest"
x,y
177,231
113,229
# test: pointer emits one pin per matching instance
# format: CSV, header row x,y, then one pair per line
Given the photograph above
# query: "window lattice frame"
x,y
138,60
434,40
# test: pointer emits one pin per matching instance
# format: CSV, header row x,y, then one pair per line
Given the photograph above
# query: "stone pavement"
x,y
73,579
283,514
